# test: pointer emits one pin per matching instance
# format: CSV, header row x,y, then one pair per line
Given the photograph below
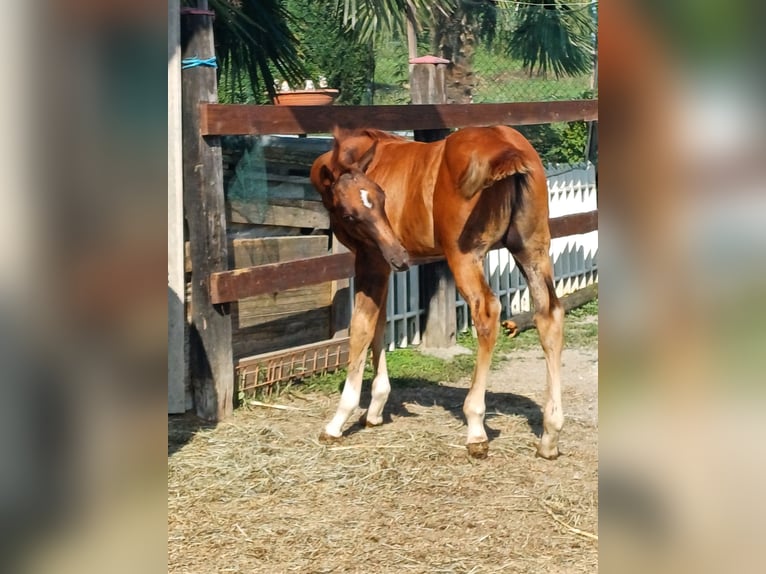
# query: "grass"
x,y
410,367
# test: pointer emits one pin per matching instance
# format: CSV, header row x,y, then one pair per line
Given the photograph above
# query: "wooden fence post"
x,y
428,85
210,361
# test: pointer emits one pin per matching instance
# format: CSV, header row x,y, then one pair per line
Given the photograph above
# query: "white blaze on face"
x,y
364,194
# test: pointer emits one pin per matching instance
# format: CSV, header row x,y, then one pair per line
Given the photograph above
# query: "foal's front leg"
x,y
369,302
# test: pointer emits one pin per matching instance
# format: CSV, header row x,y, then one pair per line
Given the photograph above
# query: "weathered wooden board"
x,y
292,316
249,252
241,283
210,358
259,251
220,119
295,329
296,213
526,319
264,308
574,224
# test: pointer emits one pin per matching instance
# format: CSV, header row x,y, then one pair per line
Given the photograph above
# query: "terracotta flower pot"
x,y
322,97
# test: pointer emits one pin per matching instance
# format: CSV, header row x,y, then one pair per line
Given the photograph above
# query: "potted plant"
x,y
310,95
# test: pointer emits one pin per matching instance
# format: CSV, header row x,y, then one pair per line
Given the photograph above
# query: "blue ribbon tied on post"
x,y
187,63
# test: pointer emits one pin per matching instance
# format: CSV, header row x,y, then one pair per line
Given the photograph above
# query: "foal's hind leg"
x,y
468,269
535,264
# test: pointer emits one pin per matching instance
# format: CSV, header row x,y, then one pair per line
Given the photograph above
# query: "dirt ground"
x,y
260,494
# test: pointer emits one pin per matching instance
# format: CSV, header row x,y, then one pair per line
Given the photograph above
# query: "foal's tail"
x,y
485,169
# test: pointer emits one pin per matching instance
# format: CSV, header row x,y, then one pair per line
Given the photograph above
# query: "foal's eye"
x,y
349,218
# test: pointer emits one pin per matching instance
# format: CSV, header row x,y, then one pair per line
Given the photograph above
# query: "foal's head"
x,y
358,207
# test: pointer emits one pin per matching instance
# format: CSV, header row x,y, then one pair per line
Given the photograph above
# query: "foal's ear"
x,y
365,161
326,177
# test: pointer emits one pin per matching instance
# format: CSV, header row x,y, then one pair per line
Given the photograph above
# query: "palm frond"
x,y
253,37
367,18
554,37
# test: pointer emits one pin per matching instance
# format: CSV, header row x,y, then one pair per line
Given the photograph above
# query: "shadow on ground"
x,y
408,391
182,428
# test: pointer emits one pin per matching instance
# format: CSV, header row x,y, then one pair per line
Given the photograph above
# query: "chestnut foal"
x,y
390,198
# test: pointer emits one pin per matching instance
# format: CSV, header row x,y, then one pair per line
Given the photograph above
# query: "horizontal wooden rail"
x,y
274,277
227,286
228,119
574,224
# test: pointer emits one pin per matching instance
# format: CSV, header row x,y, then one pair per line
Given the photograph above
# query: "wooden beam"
x,y
210,351
234,285
428,85
227,286
222,119
526,319
574,224
295,213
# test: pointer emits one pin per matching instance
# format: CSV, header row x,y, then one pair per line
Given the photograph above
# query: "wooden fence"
x,y
214,286
218,119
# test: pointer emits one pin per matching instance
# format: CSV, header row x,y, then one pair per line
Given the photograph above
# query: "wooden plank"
x,y
260,309
233,285
297,213
574,224
286,318
440,292
526,320
428,85
225,119
240,283
210,352
262,250
295,329
252,251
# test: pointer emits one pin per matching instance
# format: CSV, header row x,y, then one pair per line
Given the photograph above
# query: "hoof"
x,y
550,454
325,438
367,424
478,449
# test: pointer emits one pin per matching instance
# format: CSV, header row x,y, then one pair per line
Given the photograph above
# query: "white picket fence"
x,y
571,189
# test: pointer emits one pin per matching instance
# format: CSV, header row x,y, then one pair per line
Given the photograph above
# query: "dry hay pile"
x,y
260,494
